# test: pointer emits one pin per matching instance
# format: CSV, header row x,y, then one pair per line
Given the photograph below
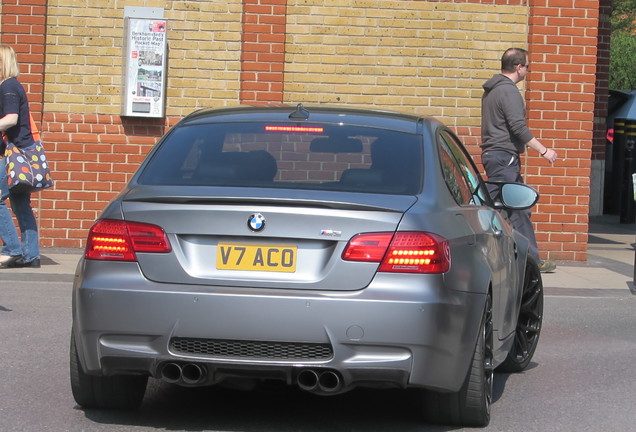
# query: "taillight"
x,y
610,135
417,252
118,240
404,252
367,247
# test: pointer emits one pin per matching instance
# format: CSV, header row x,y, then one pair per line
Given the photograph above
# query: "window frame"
x,y
465,175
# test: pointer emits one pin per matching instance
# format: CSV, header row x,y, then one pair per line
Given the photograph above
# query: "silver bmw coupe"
x,y
325,247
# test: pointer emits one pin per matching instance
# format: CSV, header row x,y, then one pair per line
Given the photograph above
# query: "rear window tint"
x,y
315,157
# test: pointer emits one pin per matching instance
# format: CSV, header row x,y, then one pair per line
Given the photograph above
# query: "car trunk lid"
x,y
265,239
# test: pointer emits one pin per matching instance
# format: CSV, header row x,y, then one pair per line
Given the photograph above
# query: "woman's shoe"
x,y
10,261
20,262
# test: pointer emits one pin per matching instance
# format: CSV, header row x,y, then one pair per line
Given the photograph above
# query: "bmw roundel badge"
x,y
256,222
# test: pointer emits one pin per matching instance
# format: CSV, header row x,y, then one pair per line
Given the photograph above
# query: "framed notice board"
x,y
144,67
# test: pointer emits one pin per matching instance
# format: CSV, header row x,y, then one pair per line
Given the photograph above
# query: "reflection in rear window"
x,y
314,157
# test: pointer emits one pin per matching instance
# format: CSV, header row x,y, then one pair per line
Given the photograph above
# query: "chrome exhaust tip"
x,y
308,380
171,373
329,382
192,373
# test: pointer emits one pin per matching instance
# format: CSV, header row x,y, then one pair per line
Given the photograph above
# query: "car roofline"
x,y
332,114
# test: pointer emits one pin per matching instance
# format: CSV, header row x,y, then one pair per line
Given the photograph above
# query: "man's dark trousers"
x,y
505,166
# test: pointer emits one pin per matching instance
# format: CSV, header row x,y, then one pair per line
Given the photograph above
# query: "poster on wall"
x,y
144,67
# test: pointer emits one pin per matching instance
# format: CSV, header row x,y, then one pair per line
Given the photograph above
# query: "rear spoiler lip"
x,y
204,195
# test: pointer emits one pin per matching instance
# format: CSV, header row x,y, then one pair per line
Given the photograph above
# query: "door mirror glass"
x,y
514,196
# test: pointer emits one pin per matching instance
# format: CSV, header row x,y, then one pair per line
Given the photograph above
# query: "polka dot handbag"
x,y
27,169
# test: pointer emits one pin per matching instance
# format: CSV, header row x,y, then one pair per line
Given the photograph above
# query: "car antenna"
x,y
300,113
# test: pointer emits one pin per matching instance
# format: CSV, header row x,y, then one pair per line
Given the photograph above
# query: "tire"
x,y
470,407
529,322
108,392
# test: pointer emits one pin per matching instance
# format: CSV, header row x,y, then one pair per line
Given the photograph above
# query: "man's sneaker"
x,y
20,262
547,266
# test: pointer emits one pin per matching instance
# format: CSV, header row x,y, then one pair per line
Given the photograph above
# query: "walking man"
x,y
505,136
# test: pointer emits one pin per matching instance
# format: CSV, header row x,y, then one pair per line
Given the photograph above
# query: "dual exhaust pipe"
x,y
317,381
188,373
310,380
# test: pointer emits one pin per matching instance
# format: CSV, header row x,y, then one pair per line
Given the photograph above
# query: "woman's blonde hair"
x,y
8,63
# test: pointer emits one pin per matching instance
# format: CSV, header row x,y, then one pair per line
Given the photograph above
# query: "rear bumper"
x,y
405,331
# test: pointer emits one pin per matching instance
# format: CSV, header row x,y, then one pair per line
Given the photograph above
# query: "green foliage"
x,y
623,18
622,61
623,45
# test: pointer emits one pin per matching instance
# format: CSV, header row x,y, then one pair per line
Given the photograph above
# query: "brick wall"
x,y
563,38
84,55
602,79
93,156
263,51
597,177
23,26
428,57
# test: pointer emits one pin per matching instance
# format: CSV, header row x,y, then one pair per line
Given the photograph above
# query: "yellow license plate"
x,y
273,258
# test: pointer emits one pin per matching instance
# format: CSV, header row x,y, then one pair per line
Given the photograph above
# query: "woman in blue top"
x,y
15,123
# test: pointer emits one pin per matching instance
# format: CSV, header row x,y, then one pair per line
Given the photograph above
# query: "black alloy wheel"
x,y
529,322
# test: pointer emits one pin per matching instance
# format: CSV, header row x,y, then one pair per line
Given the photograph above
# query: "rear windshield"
x,y
318,157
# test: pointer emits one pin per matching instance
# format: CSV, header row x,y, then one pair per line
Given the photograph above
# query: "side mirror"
x,y
513,196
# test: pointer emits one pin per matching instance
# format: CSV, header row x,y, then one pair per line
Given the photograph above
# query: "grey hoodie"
x,y
503,116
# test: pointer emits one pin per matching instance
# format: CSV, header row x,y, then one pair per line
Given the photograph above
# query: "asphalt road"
x,y
583,378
